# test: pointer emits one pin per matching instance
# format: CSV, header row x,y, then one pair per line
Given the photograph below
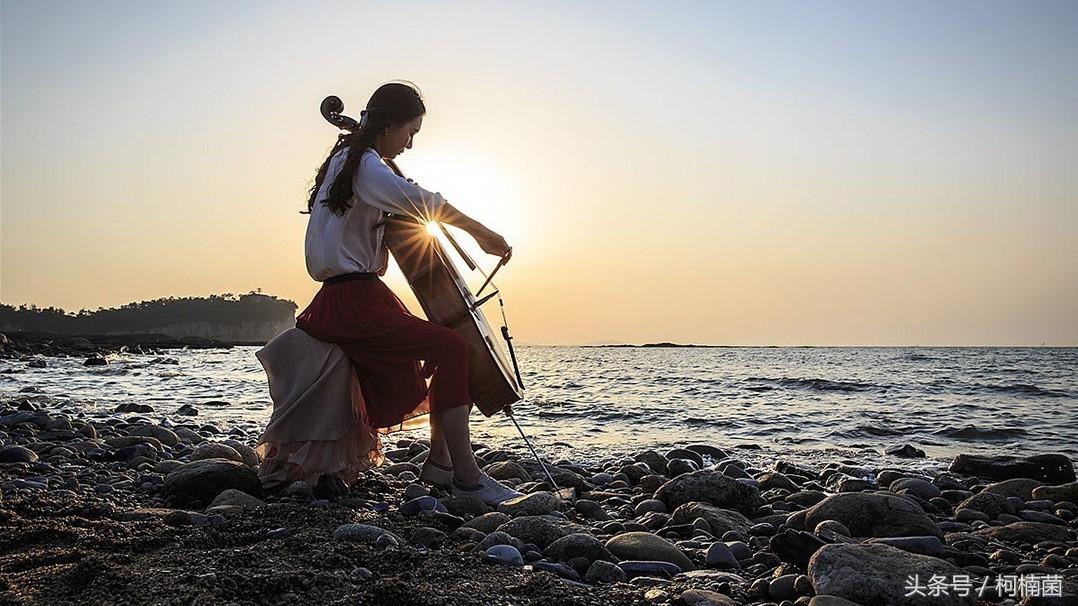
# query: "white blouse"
x,y
352,242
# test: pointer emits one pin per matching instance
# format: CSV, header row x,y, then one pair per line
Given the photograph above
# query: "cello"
x,y
494,379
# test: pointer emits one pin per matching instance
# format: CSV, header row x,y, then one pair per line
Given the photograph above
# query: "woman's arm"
x,y
383,188
488,240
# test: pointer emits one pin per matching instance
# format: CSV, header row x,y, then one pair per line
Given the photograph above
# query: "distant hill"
x,y
250,318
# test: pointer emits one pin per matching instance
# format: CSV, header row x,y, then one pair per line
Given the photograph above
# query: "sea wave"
x,y
817,384
1025,389
866,430
974,433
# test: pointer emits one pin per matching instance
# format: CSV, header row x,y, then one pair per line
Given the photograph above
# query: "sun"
x,y
432,228
477,184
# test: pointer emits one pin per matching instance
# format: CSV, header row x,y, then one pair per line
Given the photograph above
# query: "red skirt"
x,y
386,345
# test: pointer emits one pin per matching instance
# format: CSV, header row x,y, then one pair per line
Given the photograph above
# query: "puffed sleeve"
x,y
376,184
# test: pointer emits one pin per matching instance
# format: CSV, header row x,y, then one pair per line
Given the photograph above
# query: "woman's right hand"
x,y
492,243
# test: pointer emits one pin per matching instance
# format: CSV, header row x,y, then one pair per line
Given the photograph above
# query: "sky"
x,y
751,173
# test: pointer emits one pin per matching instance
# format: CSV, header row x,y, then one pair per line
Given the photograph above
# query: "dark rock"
x,y
685,454
1026,532
14,453
505,470
1016,487
646,546
655,461
677,467
712,487
487,523
704,597
795,546
424,536
922,488
198,482
504,554
906,451
531,504
869,515
602,571
559,569
719,520
418,504
878,574
1049,468
540,530
1063,492
359,533
719,555
132,407
634,568
988,503
578,545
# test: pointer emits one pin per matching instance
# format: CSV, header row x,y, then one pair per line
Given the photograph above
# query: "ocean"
x,y
590,403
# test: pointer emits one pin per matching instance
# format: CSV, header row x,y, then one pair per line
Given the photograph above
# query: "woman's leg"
x,y
452,424
439,451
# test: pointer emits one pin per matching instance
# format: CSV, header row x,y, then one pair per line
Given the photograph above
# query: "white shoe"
x,y
490,491
436,476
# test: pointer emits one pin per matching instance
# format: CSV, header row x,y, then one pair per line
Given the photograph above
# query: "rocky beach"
x,y
137,506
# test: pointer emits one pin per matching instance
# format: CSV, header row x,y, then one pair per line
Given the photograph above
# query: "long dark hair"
x,y
392,104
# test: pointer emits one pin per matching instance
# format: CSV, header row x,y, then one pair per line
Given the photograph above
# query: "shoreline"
x,y
99,509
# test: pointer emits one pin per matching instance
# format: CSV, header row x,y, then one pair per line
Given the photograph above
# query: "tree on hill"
x,y
143,316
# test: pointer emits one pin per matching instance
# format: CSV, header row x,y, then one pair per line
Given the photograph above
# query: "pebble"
x,y
720,556
634,568
533,504
360,574
601,571
559,569
359,533
504,554
17,454
412,507
424,536
414,491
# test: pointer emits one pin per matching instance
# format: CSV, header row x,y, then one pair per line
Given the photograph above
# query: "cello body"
x,y
446,300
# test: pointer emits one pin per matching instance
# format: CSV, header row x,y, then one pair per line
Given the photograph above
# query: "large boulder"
x,y
488,522
504,470
215,450
874,574
720,520
989,503
163,434
578,545
236,498
1063,492
712,487
541,530
1026,532
198,482
1015,487
869,514
1050,468
531,504
648,547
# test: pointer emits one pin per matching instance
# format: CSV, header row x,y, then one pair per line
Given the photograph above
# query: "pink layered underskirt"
x,y
320,424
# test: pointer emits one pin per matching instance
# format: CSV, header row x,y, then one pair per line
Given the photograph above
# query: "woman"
x,y
352,192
